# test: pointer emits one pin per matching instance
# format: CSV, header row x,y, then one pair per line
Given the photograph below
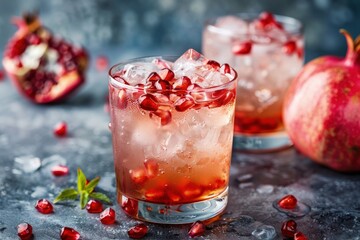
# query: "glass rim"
x,y
248,16
118,84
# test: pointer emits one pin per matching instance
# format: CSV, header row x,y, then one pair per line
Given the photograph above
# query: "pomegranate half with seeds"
x,y
44,68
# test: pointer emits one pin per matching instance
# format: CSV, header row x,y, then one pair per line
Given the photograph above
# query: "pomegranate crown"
x,y
353,52
29,22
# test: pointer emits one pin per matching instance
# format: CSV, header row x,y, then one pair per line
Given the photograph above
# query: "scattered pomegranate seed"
x,y
288,202
164,115
300,236
197,229
242,48
60,129
166,74
130,206
94,206
153,77
60,170
44,206
213,64
148,102
138,175
138,231
184,104
162,85
152,167
122,102
107,216
2,74
182,83
102,63
24,231
289,47
68,233
288,228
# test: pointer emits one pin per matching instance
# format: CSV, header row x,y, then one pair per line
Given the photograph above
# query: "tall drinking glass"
x,y
267,52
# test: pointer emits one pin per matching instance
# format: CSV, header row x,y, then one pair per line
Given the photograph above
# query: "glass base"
x,y
178,214
259,143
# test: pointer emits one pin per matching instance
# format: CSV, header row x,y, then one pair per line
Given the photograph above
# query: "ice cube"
x,y
264,232
211,78
26,164
145,133
233,24
187,63
135,73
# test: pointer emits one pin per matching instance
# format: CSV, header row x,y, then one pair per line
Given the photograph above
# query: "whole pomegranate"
x,y
322,109
44,68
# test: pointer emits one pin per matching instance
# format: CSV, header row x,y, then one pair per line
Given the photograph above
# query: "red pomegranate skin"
x,y
322,110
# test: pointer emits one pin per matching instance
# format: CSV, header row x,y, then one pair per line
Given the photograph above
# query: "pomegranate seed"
x,y
152,167
24,231
107,216
130,206
173,196
182,83
94,206
288,202
267,17
213,64
154,194
184,104
67,233
60,170
148,102
223,100
166,74
225,68
164,115
2,74
300,236
197,229
162,85
191,190
122,102
138,231
102,63
242,48
153,77
34,40
288,228
138,175
44,206
60,129
289,47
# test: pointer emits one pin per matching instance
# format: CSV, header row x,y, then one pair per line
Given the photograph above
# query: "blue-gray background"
x,y
168,27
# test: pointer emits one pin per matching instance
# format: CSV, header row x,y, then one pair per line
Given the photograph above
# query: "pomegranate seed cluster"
x,y
160,87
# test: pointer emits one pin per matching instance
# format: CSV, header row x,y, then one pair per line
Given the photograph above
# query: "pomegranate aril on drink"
x,y
155,194
288,202
152,167
24,231
288,228
94,206
164,115
60,170
300,236
162,85
197,229
138,175
130,206
173,196
182,83
102,63
184,104
289,47
242,48
68,233
148,102
214,64
122,99
138,231
191,191
153,77
60,129
225,68
107,216
44,206
166,74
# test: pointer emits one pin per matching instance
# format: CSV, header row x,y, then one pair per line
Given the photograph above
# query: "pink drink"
x,y
172,126
267,53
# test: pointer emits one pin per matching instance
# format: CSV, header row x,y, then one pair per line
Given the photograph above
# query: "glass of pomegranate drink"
x,y
172,130
267,51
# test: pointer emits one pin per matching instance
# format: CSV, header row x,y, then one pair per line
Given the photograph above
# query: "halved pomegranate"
x,y
44,68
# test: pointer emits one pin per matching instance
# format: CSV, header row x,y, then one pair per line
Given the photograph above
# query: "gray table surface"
x,y
26,129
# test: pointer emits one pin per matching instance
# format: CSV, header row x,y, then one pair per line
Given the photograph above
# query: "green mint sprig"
x,y
85,191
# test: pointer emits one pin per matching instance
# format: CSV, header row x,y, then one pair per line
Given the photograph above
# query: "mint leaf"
x,y
92,184
84,198
66,194
81,180
100,196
